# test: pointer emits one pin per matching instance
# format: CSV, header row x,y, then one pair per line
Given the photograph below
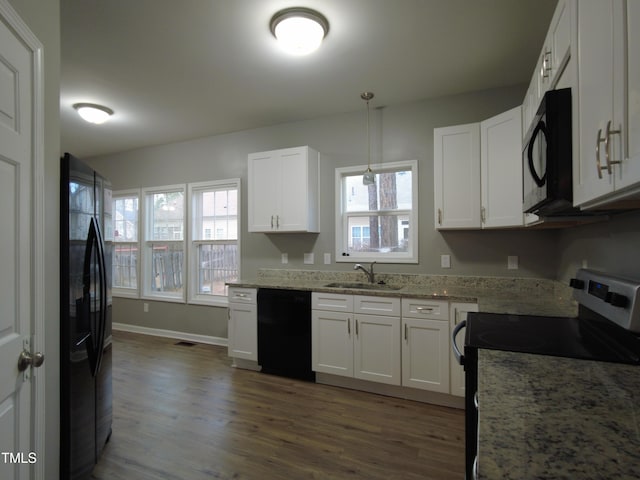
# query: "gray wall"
x,y
402,132
612,246
43,18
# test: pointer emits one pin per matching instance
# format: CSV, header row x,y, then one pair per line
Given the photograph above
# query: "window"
x,y
377,222
214,238
124,251
164,274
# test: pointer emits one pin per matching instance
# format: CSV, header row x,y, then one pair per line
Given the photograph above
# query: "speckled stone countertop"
x,y
493,294
543,417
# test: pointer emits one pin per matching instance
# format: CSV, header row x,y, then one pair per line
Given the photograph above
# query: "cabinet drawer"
x,y
371,304
422,308
334,302
242,295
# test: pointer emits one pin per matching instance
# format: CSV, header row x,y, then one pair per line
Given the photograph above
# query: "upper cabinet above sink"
x,y
283,191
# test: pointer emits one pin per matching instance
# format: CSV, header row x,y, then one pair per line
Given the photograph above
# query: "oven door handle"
x,y
456,351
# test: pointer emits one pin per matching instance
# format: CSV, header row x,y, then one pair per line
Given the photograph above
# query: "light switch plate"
x,y
327,259
284,258
445,261
512,262
309,258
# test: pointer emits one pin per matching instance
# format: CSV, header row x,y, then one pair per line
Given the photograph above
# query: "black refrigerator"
x,y
86,235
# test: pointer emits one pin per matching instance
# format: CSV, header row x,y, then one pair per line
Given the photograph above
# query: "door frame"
x,y
37,240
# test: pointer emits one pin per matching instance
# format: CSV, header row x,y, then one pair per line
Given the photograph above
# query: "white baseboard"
x,y
158,332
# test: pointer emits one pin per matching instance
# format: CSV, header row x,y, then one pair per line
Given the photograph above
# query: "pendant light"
x,y
368,178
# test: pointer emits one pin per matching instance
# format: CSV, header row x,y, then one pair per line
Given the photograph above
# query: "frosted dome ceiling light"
x,y
299,30
92,113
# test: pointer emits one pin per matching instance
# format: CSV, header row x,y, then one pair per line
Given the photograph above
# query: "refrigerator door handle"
x,y
96,343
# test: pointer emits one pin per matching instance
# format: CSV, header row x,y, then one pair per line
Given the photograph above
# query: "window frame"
x,y
192,244
124,291
342,217
147,240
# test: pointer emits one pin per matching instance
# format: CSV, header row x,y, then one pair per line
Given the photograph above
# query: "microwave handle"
x,y
540,127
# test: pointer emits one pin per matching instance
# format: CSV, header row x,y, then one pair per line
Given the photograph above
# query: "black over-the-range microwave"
x,y
547,158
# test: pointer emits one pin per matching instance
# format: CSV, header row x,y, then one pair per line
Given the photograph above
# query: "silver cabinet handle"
x,y
271,221
406,333
424,309
456,351
607,147
546,64
599,140
277,221
357,333
241,295
483,215
439,216
349,326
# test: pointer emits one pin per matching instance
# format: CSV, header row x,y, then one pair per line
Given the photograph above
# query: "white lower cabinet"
x,y
457,313
356,344
243,323
425,344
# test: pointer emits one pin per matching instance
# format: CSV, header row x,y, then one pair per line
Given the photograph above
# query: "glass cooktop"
x,y
581,337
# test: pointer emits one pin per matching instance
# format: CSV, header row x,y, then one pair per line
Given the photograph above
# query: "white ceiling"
x,y
174,70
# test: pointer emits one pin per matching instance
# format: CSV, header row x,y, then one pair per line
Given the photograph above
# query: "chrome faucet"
x,y
369,273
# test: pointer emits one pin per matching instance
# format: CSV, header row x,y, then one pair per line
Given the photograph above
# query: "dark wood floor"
x,y
181,412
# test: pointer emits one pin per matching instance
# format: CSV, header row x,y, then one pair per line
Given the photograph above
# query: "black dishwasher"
x,y
284,333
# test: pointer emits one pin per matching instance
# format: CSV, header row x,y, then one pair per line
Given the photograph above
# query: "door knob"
x,y
26,360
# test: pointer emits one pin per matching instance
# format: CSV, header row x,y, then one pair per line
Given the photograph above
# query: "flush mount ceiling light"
x,y
368,177
299,30
92,113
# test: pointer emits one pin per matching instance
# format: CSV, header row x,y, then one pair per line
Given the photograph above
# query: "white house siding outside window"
x,y
377,222
188,246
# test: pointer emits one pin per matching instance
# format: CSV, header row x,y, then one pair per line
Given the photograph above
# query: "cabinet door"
x,y
243,331
425,354
456,176
264,186
600,83
630,169
458,313
558,42
299,171
501,169
332,342
377,349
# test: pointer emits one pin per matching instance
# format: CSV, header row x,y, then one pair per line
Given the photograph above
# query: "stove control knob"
x,y
575,283
616,299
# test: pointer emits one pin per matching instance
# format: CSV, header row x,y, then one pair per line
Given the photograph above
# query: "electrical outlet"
x,y
512,262
145,307
309,258
284,259
445,261
327,259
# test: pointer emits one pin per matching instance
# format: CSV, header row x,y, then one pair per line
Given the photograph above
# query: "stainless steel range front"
x,y
606,329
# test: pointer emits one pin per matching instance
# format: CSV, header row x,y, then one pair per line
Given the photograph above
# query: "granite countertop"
x,y
492,294
557,418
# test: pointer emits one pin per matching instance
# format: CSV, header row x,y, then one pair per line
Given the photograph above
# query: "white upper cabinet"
x,y
554,57
283,191
478,173
606,166
501,170
456,165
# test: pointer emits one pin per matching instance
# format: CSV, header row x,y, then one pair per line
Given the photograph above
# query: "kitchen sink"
x,y
363,286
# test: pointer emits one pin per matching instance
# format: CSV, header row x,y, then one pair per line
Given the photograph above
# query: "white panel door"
x,y
425,354
332,342
16,216
377,349
243,331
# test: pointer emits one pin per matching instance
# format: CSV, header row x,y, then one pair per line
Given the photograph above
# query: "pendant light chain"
x,y
369,177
